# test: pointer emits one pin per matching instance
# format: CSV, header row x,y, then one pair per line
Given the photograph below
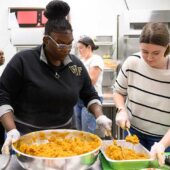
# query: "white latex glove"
x,y
122,119
157,152
12,136
103,124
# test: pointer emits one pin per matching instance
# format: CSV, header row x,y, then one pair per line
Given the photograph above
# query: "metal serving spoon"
x,y
108,135
129,134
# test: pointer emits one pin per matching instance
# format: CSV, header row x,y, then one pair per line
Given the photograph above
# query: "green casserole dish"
x,y
127,164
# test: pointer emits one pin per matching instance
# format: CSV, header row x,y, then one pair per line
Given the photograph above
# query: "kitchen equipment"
x,y
29,17
167,160
127,164
82,161
105,165
26,21
108,135
129,27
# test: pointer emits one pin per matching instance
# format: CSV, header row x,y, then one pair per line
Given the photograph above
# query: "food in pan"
x,y
58,144
116,152
132,139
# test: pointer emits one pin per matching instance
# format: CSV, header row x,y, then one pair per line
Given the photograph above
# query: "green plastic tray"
x,y
129,164
105,164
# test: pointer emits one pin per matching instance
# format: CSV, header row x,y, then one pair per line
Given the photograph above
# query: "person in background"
x,y
39,87
2,58
94,64
2,62
141,90
2,132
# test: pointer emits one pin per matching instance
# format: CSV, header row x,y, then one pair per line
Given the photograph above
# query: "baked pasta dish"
x,y
58,144
116,152
132,139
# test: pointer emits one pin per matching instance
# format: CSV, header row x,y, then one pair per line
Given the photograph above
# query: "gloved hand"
x,y
12,136
157,152
103,124
122,119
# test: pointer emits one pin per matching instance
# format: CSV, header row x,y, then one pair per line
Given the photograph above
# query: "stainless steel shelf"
x,y
103,43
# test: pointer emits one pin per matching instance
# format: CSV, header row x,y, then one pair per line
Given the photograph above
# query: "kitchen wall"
x,y
88,17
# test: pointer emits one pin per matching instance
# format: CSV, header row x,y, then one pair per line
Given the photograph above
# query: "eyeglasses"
x,y
60,46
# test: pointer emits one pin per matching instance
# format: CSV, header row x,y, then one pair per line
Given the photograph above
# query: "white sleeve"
x,y
97,61
5,109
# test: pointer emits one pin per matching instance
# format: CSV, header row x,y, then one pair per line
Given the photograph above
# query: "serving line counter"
x,y
100,164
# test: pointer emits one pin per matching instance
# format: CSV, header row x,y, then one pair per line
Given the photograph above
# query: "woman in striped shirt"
x,y
142,88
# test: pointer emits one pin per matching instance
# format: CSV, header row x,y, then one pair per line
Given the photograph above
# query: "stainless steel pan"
x,y
80,162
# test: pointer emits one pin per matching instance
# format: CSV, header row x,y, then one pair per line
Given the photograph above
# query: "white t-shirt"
x,y
94,61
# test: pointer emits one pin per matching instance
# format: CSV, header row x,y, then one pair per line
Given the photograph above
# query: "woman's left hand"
x,y
157,152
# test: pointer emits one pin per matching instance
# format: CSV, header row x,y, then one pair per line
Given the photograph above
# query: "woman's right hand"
x,y
122,119
12,136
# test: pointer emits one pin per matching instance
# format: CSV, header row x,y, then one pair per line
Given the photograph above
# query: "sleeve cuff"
x,y
94,101
5,109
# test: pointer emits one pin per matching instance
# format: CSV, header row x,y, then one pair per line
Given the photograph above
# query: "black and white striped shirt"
x,y
148,95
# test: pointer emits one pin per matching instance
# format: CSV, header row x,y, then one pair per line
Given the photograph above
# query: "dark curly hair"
x,y
56,12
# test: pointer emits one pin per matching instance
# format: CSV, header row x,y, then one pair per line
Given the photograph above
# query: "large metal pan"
x,y
80,162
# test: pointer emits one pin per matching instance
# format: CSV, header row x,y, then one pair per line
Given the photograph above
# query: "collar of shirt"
x,y
43,58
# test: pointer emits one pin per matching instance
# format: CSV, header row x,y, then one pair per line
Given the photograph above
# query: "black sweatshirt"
x,y
42,95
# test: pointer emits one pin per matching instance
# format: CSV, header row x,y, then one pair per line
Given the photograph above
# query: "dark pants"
x,y
83,119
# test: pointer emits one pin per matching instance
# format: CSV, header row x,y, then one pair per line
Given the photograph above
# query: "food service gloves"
x,y
103,124
123,119
157,152
12,136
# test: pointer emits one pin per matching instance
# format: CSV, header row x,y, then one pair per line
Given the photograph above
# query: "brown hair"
x,y
156,33
88,41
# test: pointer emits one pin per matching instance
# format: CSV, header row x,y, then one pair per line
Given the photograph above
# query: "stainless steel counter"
x,y
108,97
14,165
108,103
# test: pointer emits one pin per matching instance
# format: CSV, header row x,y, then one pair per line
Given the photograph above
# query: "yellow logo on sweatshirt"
x,y
75,70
